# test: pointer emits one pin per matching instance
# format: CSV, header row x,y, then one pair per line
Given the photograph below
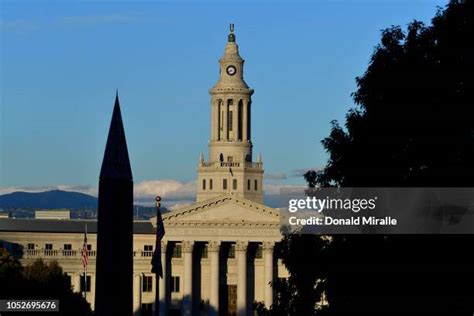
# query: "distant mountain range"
x,y
22,204
54,199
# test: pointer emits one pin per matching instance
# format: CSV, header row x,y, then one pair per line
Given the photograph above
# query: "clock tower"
x,y
230,167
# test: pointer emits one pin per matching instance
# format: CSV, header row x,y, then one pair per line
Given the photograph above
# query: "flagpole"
x,y
85,271
157,277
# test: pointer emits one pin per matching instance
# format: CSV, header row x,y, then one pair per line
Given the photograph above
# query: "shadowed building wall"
x,y
114,278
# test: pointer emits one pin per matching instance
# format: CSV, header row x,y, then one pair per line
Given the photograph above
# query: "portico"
x,y
222,252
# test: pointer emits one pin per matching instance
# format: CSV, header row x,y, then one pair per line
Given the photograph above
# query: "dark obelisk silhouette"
x,y
114,267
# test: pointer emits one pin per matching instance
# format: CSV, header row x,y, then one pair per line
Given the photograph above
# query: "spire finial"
x,y
231,37
116,93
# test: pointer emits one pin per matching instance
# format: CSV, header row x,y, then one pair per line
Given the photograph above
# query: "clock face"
x,y
231,70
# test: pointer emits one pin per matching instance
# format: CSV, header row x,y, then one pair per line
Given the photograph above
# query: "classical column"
x,y
213,111
213,253
244,121
137,303
225,121
219,119
214,120
241,255
249,120
77,282
162,285
187,249
268,277
235,119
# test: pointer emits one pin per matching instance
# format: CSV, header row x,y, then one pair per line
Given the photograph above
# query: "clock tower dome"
x,y
230,167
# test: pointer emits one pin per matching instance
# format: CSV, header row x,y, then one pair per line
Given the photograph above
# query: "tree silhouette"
x,y
39,280
414,122
413,126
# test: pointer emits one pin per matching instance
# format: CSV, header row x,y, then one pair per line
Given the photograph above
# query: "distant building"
x,y
4,215
53,214
62,240
220,253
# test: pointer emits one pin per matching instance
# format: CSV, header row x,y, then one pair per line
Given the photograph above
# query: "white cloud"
x,y
169,189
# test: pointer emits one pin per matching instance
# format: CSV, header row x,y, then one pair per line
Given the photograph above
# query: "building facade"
x,y
219,254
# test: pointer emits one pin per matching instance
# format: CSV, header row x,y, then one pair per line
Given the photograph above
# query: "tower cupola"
x,y
229,168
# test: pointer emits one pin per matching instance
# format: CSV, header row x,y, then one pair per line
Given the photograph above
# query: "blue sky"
x,y
61,63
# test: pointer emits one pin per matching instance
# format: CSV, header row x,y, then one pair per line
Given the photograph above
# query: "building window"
x,y
230,158
234,184
67,250
204,184
256,185
147,251
176,251
89,247
230,120
248,184
147,283
232,251
259,252
224,184
148,247
175,284
30,246
48,249
210,184
83,286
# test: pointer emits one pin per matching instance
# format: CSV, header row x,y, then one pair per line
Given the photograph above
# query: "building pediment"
x,y
225,209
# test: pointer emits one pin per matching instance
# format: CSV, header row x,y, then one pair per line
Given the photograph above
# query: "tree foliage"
x,y
39,280
412,126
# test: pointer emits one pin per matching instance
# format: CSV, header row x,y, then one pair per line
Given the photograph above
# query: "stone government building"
x,y
219,253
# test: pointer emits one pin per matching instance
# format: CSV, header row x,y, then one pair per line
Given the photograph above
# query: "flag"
x,y
85,254
156,264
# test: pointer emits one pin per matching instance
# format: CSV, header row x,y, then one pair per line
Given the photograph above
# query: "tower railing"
x,y
253,165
